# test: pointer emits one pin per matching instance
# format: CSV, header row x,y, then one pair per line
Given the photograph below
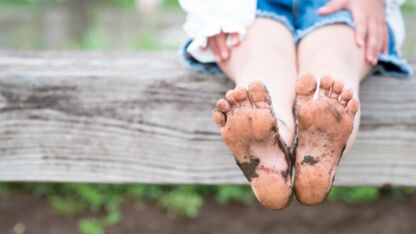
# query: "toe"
x,y
223,106
337,89
346,96
219,118
240,94
325,85
352,107
230,97
259,95
306,85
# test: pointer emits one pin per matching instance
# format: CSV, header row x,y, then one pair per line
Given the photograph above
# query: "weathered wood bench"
x,y
143,117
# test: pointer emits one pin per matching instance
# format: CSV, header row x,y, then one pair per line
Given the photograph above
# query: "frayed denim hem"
x,y
271,15
195,65
391,65
388,65
334,20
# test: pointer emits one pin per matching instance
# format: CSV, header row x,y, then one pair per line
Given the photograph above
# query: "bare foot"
x,y
249,129
324,126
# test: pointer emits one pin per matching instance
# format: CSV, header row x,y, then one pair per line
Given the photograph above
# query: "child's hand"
x,y
218,45
371,27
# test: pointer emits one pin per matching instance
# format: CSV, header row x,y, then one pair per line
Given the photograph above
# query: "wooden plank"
x,y
143,117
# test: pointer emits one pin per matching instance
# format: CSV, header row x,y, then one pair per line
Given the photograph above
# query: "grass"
x,y
67,198
409,6
104,201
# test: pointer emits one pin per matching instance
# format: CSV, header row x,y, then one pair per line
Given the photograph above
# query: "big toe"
x,y
259,95
306,85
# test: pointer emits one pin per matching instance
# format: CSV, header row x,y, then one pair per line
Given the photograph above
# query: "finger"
x,y
360,29
221,40
381,40
235,39
386,39
332,6
205,47
212,44
373,39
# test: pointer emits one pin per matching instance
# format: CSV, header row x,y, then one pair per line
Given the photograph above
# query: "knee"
x,y
327,62
328,58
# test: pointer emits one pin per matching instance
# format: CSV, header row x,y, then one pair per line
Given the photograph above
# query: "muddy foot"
x,y
324,126
249,129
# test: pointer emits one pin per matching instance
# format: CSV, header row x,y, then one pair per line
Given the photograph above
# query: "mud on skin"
x,y
249,129
309,160
324,125
249,168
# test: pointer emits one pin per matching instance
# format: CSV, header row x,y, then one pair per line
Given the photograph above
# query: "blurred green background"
x,y
120,25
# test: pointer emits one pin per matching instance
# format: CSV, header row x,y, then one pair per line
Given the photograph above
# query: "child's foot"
x,y
249,129
324,126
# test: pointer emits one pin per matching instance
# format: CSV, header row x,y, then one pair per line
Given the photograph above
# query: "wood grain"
x,y
143,117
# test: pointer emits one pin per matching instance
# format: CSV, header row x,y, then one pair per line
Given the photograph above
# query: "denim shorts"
x,y
301,19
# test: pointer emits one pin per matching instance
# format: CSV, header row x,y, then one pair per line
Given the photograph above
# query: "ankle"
x,y
286,131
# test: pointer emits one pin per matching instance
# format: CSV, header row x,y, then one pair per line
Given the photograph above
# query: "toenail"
x,y
218,117
326,82
230,97
337,87
223,105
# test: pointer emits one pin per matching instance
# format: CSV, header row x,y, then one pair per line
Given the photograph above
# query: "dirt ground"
x,y
387,215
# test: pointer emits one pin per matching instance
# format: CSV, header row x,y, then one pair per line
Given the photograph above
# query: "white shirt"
x,y
206,18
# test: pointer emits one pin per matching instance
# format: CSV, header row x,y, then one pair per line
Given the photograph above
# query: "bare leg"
x,y
327,124
256,121
268,54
